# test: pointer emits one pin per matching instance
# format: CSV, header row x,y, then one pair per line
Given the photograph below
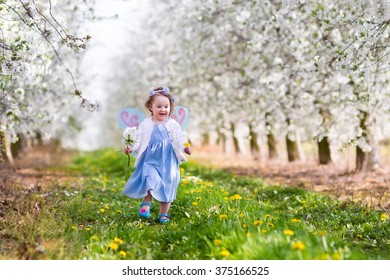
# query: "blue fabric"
x,y
157,171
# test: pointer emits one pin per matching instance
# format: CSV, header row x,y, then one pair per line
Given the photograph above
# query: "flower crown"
x,y
164,90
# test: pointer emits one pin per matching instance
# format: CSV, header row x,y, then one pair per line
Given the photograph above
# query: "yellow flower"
x,y
217,242
288,232
118,240
119,211
383,217
187,145
94,237
298,245
248,234
267,216
225,198
102,210
258,223
225,253
223,216
236,197
74,227
244,225
88,229
263,231
295,220
242,215
194,203
113,246
123,253
198,198
336,256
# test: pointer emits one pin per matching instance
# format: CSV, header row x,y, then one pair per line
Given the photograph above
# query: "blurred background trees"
x,y
252,73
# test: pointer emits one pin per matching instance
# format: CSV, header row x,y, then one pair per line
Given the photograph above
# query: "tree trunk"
x,y
235,139
221,140
360,159
205,138
324,151
2,147
271,143
367,161
292,150
253,142
6,154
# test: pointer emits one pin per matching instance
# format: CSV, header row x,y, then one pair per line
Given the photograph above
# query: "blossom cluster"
x,y
130,136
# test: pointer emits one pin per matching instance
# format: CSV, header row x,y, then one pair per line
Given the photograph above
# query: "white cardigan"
x,y
176,135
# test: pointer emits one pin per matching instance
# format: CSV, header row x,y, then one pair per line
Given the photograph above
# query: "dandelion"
x,y
198,198
94,237
123,253
118,240
225,198
298,245
88,229
258,223
225,253
288,232
295,220
236,197
113,246
264,231
267,216
217,242
322,233
242,215
244,225
248,234
119,211
130,136
194,203
336,256
102,210
74,227
223,216
384,217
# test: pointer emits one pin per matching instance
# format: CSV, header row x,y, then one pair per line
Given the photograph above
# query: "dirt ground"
x,y
369,188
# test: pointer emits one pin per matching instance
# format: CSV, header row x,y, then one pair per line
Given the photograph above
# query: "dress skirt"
x,y
157,170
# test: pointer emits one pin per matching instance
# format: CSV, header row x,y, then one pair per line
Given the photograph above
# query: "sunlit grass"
x,y
216,216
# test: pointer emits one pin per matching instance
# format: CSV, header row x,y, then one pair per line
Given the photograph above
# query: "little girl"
x,y
159,153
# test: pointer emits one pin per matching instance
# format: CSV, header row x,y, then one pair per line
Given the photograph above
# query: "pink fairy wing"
x,y
131,117
182,116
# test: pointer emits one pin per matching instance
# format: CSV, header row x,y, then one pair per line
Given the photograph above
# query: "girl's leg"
x,y
164,208
148,198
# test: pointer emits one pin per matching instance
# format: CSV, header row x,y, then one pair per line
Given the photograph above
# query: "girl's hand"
x,y
188,150
128,150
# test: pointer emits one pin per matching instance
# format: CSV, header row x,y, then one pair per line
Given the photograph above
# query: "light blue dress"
x,y
157,170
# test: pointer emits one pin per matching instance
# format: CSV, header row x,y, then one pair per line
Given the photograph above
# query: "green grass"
x,y
215,216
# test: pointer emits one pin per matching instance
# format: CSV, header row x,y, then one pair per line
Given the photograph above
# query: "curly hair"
x,y
159,92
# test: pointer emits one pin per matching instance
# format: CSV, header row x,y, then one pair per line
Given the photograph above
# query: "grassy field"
x,y
216,216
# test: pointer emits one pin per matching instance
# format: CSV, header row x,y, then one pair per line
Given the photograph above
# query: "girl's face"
x,y
160,108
